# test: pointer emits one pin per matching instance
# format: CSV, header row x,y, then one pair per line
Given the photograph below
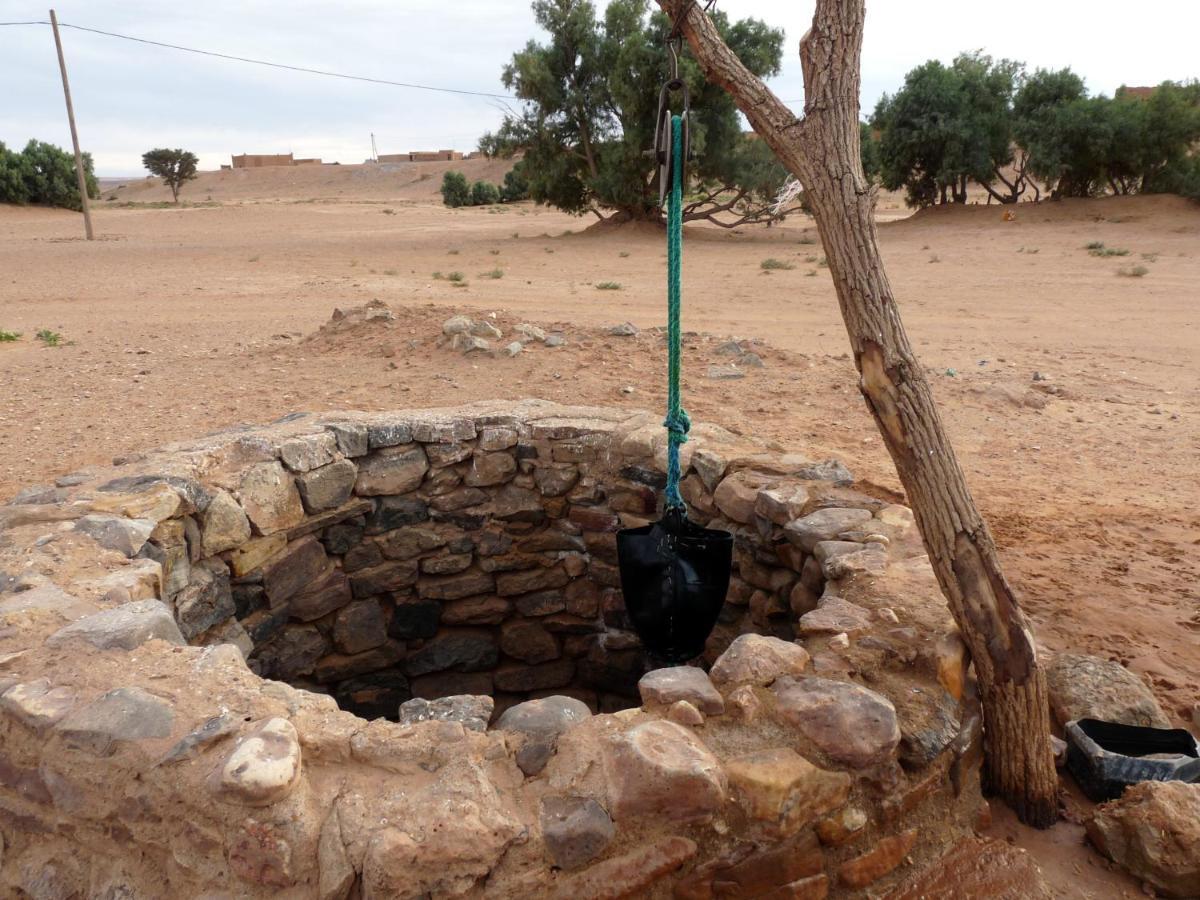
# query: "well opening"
x,y
390,561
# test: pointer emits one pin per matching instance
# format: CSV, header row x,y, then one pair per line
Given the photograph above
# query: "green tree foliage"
x,y
455,189
12,180
174,167
484,193
946,126
516,184
590,101
45,175
1081,145
988,122
869,146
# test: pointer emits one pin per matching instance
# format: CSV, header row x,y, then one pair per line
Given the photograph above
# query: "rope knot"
x,y
678,424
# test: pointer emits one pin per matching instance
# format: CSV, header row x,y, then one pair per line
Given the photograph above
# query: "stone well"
x,y
386,655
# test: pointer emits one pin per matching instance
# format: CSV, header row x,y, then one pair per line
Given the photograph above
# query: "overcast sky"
x,y
131,97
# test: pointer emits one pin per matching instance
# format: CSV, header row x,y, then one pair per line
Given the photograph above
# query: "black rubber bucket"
x,y
1107,757
674,575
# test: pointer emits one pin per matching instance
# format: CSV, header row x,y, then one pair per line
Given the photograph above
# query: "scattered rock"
x,y
513,349
555,340
126,627
724,373
541,722
1153,831
853,725
757,659
472,712
1088,687
457,325
575,830
625,329
469,343
530,332
486,330
662,687
264,767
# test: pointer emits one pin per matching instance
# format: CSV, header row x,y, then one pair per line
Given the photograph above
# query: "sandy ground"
x,y
183,321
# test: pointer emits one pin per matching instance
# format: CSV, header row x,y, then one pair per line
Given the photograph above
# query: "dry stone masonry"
x,y
386,655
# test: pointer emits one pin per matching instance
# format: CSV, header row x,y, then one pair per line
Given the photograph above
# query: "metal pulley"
x,y
662,124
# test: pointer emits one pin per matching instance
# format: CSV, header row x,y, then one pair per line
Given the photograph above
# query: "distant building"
x,y
421,156
1137,93
262,160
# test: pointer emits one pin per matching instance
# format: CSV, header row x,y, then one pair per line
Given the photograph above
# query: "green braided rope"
x,y
677,422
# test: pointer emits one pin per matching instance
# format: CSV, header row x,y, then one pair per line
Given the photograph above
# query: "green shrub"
x,y
455,190
1097,248
1135,272
455,276
8,336
608,286
48,337
484,194
516,185
773,263
45,175
494,273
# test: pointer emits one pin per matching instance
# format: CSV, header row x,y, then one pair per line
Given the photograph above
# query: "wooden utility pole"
x,y
83,194
821,148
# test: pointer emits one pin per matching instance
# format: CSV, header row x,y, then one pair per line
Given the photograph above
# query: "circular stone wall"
x,y
456,570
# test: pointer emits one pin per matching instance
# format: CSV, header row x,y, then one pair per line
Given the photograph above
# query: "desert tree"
x,y
45,175
174,167
822,149
949,125
589,101
455,190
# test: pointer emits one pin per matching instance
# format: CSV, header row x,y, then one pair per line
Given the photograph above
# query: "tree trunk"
x,y
822,150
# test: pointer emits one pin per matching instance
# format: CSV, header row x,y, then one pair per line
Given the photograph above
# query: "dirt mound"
x,y
370,181
1165,210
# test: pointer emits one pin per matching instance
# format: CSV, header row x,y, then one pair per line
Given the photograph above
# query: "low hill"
x,y
369,181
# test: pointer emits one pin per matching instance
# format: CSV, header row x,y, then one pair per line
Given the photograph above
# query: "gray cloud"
x,y
130,97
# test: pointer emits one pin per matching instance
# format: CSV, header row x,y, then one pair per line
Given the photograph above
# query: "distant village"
x,y
263,160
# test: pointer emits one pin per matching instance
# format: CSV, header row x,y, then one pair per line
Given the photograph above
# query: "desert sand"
x,y
1069,390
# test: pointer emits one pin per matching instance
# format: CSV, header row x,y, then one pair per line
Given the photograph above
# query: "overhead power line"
x,y
275,65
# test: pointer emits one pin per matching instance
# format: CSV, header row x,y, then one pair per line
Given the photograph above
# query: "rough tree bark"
x,y
822,150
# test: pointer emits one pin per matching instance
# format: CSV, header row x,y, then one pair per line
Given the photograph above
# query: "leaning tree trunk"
x,y
822,151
